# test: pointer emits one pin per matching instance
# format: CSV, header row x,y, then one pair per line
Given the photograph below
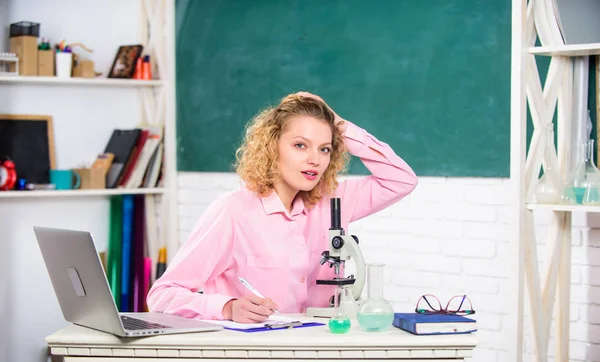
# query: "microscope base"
x,y
325,312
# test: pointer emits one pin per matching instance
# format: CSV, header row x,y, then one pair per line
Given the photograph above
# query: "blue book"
x,y
126,241
426,324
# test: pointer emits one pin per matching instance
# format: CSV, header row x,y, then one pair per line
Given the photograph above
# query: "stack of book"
x,y
137,157
427,324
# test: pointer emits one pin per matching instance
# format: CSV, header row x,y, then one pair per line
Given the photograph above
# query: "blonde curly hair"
x,y
258,156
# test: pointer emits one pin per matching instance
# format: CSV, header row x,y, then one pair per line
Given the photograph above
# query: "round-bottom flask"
x,y
376,314
549,186
339,323
583,181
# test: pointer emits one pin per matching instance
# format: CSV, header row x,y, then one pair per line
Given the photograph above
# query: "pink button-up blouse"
x,y
244,235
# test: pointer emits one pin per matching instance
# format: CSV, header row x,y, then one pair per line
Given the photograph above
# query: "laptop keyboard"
x,y
136,324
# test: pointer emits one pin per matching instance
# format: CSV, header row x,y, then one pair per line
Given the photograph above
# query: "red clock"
x,y
8,174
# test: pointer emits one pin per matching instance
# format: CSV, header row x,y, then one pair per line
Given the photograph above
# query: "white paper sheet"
x,y
273,319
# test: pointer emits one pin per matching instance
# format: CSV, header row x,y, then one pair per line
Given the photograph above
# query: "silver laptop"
x,y
84,294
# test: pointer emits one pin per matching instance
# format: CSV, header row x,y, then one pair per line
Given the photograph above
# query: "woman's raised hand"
x,y
339,121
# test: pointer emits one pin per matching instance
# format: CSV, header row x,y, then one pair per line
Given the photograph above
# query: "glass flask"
x,y
339,323
592,194
549,186
348,303
376,314
583,181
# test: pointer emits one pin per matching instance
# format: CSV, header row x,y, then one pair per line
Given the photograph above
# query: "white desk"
x,y
79,344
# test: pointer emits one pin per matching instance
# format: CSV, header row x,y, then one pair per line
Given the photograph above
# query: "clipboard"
x,y
274,323
276,326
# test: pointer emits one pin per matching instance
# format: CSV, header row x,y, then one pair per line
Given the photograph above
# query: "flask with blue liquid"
x,y
376,314
585,179
339,323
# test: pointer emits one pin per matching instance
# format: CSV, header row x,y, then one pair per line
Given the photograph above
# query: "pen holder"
x,y
64,64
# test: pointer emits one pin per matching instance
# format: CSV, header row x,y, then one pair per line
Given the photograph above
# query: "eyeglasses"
x,y
457,305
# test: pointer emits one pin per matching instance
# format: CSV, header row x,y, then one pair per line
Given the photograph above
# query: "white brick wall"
x,y
451,236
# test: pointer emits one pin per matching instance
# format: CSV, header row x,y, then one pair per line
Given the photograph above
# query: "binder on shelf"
x,y
121,144
126,253
137,255
128,264
114,257
146,148
133,158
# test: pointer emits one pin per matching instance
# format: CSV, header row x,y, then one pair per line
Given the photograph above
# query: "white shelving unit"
x,y
549,292
107,82
574,50
569,208
157,102
81,193
85,112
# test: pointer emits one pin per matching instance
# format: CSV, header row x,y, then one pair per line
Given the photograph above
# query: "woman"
x,y
272,231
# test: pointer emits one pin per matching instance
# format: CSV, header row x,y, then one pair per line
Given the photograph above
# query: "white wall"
x,y
450,237
84,118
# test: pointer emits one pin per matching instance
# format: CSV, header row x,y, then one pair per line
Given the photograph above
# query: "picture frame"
x,y
123,65
28,140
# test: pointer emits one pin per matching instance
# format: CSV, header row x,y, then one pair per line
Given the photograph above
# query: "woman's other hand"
x,y
339,121
249,309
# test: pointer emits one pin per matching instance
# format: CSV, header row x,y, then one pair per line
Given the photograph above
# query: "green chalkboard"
x,y
430,78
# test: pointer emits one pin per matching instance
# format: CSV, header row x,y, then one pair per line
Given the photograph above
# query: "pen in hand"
x,y
254,291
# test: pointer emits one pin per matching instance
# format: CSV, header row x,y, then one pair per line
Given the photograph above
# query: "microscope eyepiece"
x,y
336,216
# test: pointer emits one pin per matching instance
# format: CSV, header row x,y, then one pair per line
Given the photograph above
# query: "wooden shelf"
x,y
105,82
570,208
575,50
79,193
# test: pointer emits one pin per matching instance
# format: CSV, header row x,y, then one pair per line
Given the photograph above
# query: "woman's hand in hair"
x,y
339,121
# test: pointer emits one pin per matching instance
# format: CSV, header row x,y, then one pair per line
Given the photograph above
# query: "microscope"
x,y
342,247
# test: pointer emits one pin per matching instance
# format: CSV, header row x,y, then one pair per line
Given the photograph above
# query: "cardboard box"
x,y
92,178
46,63
25,47
84,69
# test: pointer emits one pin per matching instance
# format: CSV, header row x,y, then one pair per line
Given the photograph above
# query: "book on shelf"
x,y
137,157
427,324
121,144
